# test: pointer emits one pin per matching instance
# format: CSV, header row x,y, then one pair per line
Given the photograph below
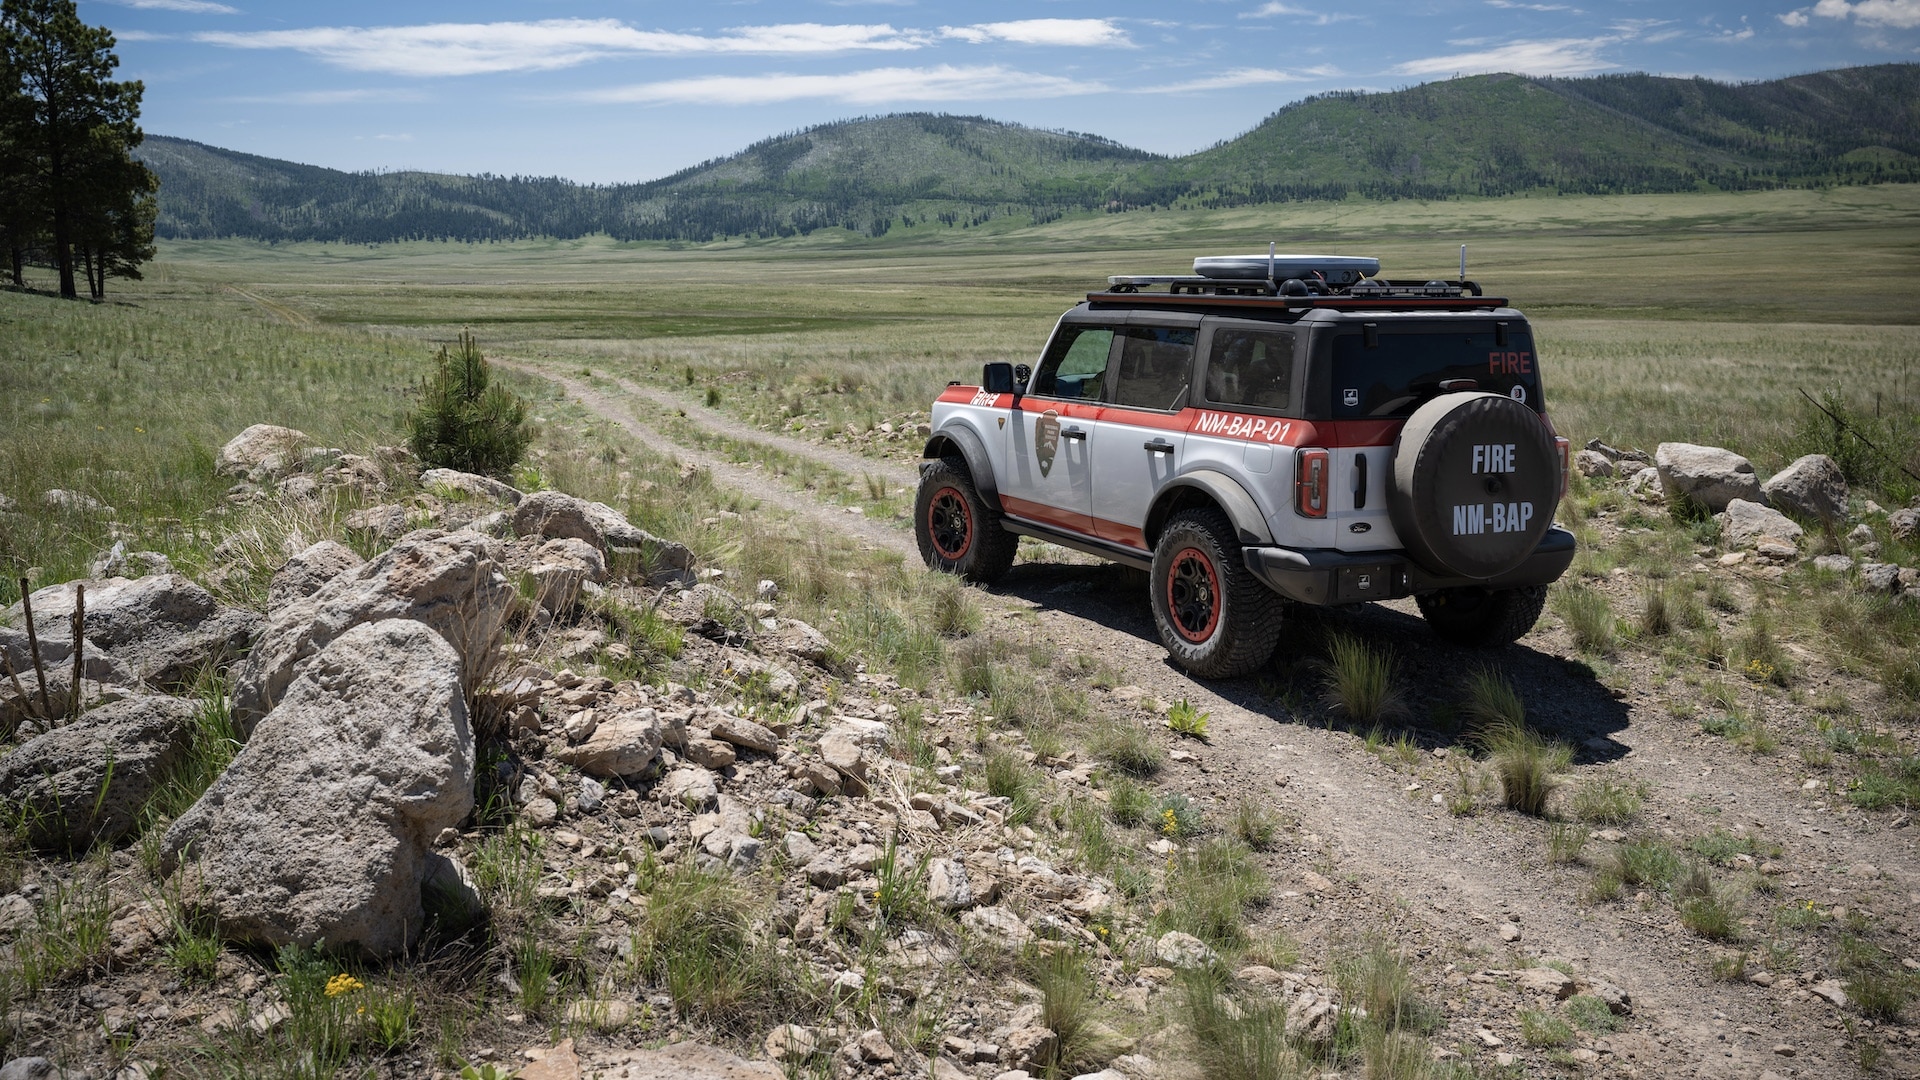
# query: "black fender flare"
x,y
1202,486
968,443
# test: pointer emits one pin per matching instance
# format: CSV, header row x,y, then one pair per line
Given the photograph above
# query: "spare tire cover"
x,y
1476,480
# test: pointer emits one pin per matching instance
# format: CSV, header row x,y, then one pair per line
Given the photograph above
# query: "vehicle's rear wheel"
x,y
1483,617
1214,617
956,529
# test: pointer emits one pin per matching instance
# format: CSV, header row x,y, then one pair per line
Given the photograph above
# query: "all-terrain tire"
x,y
1483,617
1214,617
956,529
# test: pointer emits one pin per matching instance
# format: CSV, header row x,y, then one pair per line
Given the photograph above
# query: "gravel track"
x,y
1380,855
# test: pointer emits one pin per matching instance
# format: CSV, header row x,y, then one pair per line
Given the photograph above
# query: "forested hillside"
x,y
1482,135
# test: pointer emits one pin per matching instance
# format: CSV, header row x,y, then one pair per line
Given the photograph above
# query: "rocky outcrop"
x,y
449,581
1746,524
304,573
89,781
471,485
165,627
1708,475
322,826
1811,487
1593,463
261,452
555,514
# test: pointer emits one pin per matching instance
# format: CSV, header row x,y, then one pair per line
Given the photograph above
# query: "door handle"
x,y
1074,433
1159,446
1360,482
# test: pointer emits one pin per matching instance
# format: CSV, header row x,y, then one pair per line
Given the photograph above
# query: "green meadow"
x,y
1694,317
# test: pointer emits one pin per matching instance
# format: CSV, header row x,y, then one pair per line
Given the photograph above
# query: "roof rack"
x,y
1309,281
1295,294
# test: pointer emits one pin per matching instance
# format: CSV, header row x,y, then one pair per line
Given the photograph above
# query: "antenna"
x,y
1463,262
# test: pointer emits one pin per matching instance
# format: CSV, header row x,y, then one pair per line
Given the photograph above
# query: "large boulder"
x,y
164,627
261,452
555,514
1744,524
1812,487
89,781
322,827
1708,475
449,581
309,569
471,485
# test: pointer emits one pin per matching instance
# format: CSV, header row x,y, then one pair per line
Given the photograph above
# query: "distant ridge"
x,y
1482,135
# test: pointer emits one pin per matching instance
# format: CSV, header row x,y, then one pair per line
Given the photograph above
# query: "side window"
x,y
1251,367
1156,367
1076,365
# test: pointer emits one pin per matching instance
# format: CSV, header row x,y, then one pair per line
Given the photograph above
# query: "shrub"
x,y
1209,890
1359,682
1588,616
1129,803
463,421
1526,764
1603,802
1127,746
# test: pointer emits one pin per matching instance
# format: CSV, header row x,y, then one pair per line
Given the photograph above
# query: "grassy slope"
x,y
1483,135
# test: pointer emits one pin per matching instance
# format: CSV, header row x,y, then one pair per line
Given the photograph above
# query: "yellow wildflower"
x,y
343,983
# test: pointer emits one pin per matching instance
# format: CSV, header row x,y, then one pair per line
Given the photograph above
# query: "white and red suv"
x,y
1269,429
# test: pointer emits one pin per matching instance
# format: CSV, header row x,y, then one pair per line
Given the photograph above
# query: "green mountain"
x,y
1483,135
1504,134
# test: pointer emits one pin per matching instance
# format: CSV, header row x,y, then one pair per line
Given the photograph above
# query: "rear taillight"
x,y
1565,450
1310,469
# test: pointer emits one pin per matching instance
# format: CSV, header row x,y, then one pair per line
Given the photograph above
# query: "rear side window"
x,y
1076,365
1156,367
1404,366
1251,368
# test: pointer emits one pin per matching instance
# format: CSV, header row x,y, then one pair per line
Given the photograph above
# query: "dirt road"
x,y
1374,850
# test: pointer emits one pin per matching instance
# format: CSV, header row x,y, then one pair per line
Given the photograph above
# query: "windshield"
x,y
1404,366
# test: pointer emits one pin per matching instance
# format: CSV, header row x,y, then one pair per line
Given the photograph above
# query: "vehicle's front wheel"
x,y
1483,617
1214,617
956,529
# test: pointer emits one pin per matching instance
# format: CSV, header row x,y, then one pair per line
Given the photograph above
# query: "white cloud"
x,y
195,7
1559,56
487,48
1042,32
1794,18
1898,14
879,86
1509,5
1237,77
1270,10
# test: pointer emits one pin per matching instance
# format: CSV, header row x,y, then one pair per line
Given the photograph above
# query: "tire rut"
x,y
1391,848
749,481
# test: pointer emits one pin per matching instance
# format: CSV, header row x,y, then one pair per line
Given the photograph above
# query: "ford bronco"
x,y
1270,429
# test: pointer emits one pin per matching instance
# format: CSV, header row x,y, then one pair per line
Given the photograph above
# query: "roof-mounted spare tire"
x,y
1476,479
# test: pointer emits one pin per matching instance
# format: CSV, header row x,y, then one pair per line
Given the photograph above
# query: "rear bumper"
x,y
1324,578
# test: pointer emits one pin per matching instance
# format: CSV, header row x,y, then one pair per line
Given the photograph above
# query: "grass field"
x,y
1660,317
1698,318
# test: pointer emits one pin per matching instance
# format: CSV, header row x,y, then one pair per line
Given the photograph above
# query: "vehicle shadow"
x,y
1565,700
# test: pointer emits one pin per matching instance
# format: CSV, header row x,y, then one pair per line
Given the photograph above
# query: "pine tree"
x,y
463,421
73,129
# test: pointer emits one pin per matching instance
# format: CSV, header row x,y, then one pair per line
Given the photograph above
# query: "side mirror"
x,y
997,378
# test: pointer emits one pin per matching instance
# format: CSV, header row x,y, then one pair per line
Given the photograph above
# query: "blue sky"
x,y
620,91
